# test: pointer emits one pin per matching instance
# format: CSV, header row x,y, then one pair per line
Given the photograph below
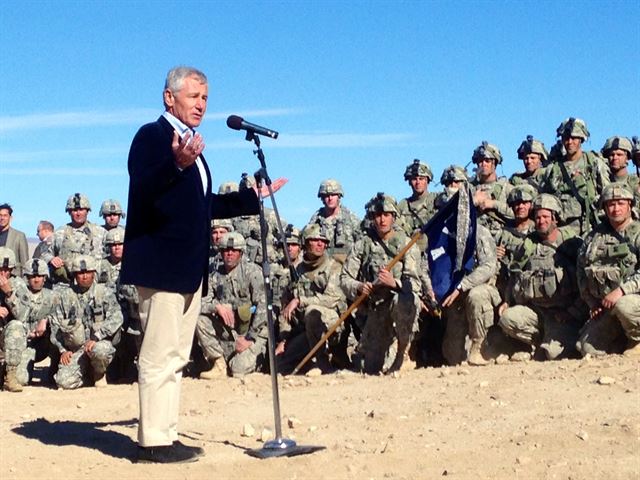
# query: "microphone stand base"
x,y
282,447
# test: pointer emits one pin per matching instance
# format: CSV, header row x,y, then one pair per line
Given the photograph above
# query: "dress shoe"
x,y
199,451
165,454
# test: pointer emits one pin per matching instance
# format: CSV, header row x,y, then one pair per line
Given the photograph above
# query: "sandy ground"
x,y
574,419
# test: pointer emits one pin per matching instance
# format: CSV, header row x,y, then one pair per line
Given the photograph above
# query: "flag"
x,y
451,237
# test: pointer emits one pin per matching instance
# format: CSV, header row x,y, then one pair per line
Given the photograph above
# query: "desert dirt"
x,y
572,419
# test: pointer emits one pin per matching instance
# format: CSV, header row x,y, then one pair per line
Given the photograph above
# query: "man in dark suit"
x,y
166,251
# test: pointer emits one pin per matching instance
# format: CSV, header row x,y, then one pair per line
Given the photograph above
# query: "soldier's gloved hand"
x,y
612,298
57,262
65,358
226,314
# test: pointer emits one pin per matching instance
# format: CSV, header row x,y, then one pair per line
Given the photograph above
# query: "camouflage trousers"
x,y
388,331
217,340
607,333
22,352
85,368
554,331
470,315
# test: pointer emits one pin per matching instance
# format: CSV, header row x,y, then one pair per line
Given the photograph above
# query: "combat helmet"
x,y
222,223
573,127
83,263
546,201
521,193
314,231
7,258
35,266
616,191
531,145
418,169
617,143
381,203
111,206
246,182
77,200
330,186
292,235
635,151
487,150
557,153
227,187
234,241
114,237
453,173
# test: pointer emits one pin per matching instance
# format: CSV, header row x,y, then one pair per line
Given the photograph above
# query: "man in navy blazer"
x,y
166,253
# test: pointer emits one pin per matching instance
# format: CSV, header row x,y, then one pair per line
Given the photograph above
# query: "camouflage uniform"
x,y
70,242
21,352
243,290
577,184
391,313
281,276
624,177
82,315
342,229
472,313
414,213
609,260
498,190
320,302
546,309
108,269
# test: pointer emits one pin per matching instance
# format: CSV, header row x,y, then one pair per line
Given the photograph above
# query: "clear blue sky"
x,y
357,89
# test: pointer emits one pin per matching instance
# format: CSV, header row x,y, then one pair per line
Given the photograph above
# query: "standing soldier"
x,y
534,156
618,151
392,303
111,211
78,237
12,290
232,327
342,225
26,339
609,278
85,327
415,211
543,308
491,192
316,305
578,178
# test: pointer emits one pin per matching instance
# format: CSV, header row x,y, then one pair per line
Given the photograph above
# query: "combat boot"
x,y
475,354
11,383
217,370
633,349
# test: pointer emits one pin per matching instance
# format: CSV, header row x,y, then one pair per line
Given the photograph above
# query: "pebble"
x,y
248,430
483,384
26,416
81,405
523,460
312,428
464,371
314,372
606,380
266,434
293,422
582,435
502,359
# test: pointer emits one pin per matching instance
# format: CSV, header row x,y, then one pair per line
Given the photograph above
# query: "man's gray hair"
x,y
176,76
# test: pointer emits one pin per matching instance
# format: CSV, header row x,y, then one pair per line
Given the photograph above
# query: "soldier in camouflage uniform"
x,y
491,191
469,309
219,228
316,303
78,237
111,212
232,327
618,151
12,290
392,303
85,327
543,308
281,274
514,233
342,225
26,339
109,268
534,156
578,178
609,278
415,211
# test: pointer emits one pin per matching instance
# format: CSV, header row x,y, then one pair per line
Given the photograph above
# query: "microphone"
x,y
237,123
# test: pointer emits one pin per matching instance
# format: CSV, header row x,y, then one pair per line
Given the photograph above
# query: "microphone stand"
x,y
280,446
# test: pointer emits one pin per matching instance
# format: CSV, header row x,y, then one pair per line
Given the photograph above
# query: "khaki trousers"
x,y
168,323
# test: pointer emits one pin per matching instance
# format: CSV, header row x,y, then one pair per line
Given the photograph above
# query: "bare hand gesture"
x,y
186,150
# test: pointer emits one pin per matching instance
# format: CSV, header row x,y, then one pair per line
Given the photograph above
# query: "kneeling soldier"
x,y
85,327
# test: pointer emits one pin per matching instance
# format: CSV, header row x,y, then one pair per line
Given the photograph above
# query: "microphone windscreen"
x,y
234,122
